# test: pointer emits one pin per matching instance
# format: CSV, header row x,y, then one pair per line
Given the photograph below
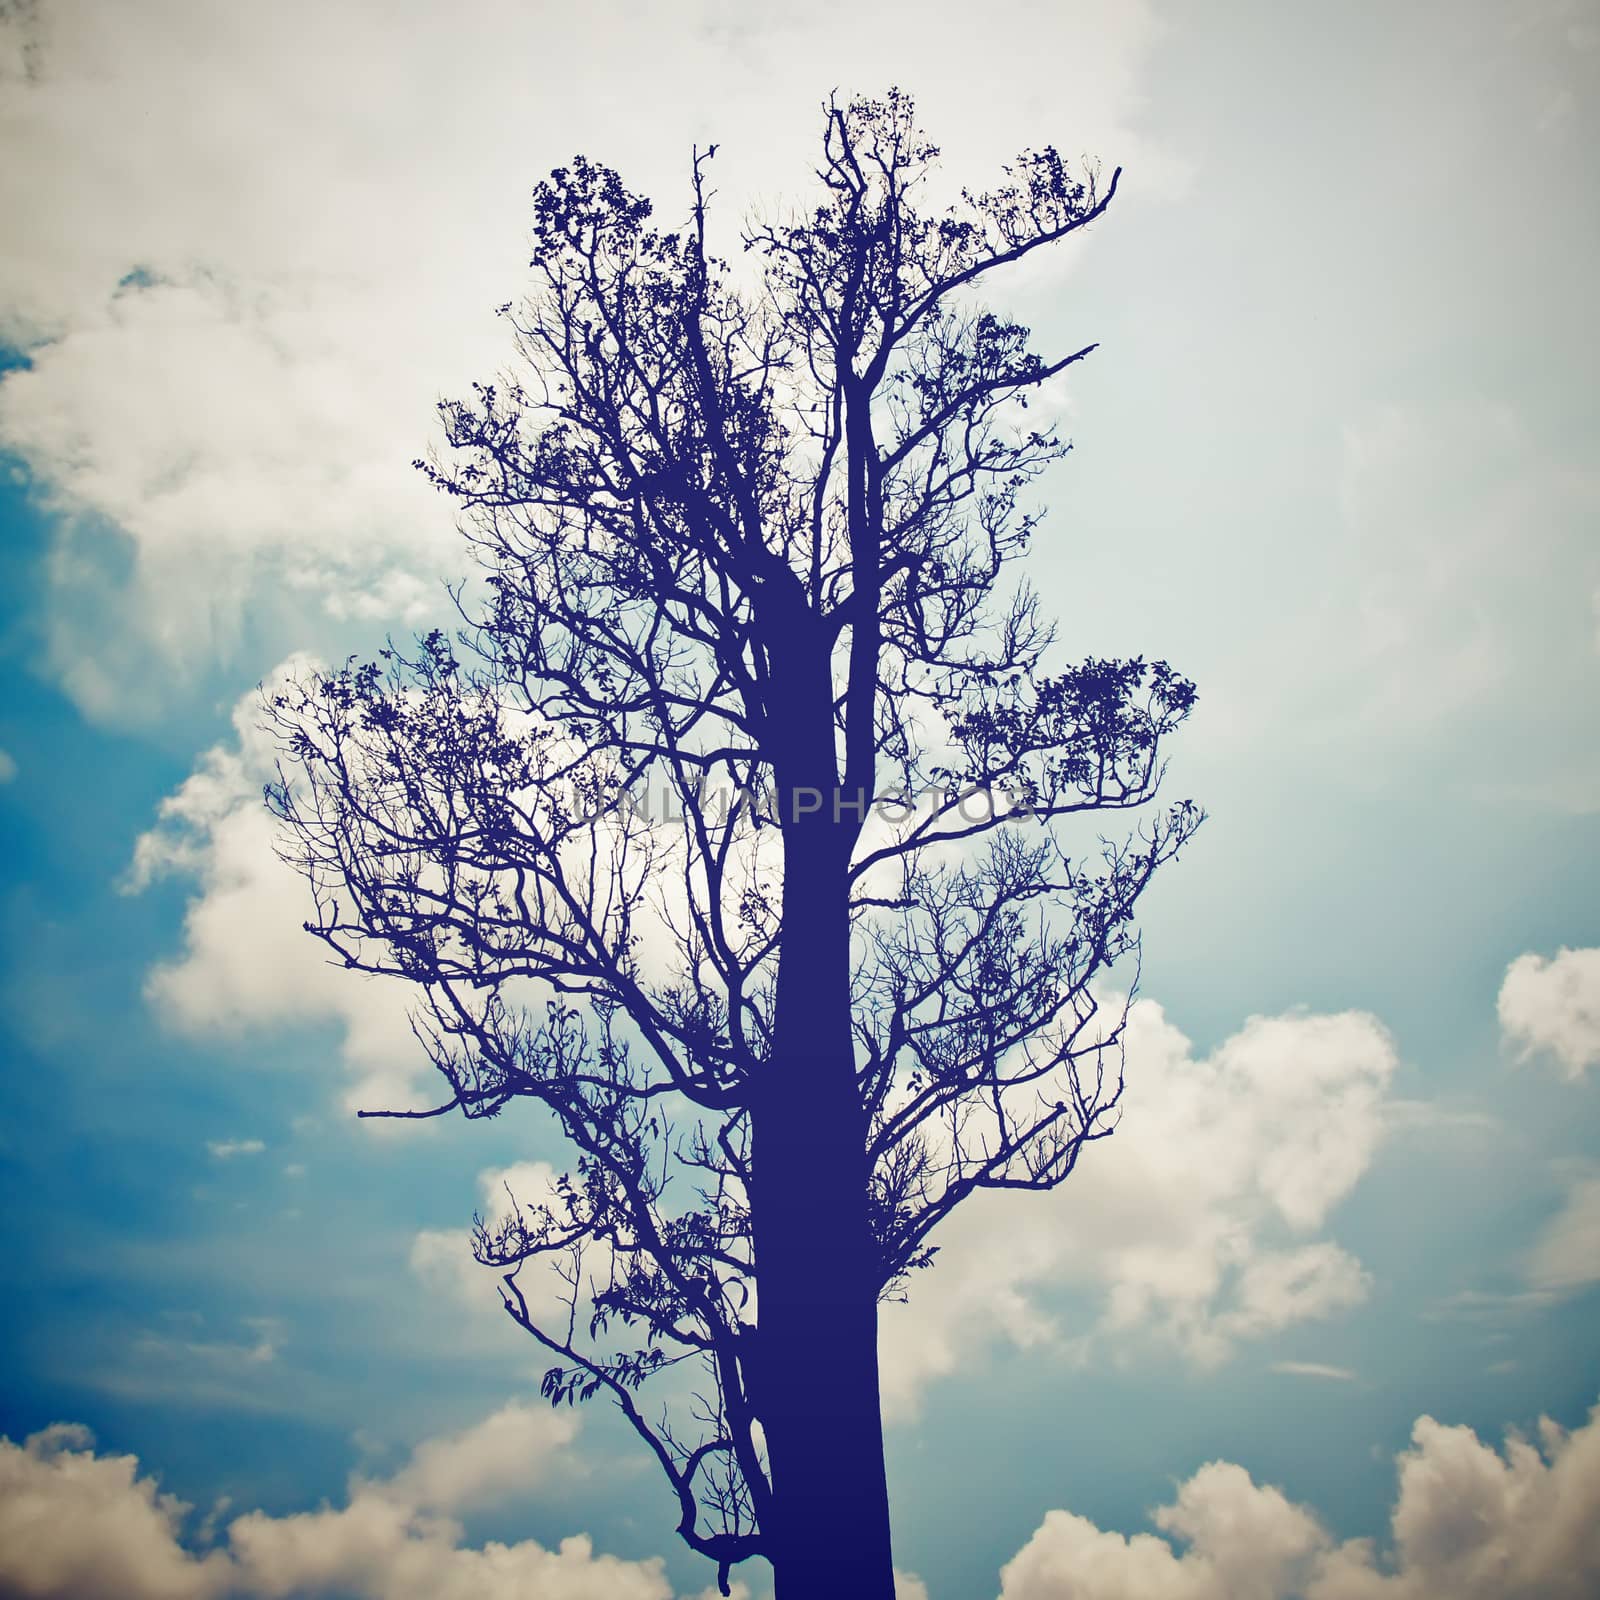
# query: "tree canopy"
x,y
734,825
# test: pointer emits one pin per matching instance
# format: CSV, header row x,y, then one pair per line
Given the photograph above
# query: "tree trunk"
x,y
816,1378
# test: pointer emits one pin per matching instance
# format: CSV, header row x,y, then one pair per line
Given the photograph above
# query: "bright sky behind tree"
x,y
1334,459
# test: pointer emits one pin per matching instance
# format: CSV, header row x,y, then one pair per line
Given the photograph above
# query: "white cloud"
x,y
1552,1006
227,1149
1468,1522
1566,1254
1522,1523
238,338
1194,1222
247,961
442,1257
1247,1543
491,1464
443,1261
1314,1369
377,1549
75,1525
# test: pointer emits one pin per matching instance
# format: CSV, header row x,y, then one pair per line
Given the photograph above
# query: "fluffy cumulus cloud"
x,y
1551,1007
442,1257
491,1464
1566,1255
1470,1522
246,960
1201,1220
1199,1225
77,1525
254,258
74,1524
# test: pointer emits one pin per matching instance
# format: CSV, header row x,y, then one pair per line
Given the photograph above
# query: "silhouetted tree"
x,y
744,534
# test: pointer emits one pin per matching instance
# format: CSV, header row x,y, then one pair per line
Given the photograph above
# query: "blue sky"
x,y
1334,459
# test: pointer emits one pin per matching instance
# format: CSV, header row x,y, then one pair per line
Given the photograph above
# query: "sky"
x,y
1320,1320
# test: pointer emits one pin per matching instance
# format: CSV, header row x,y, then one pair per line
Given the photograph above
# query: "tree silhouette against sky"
x,y
734,825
